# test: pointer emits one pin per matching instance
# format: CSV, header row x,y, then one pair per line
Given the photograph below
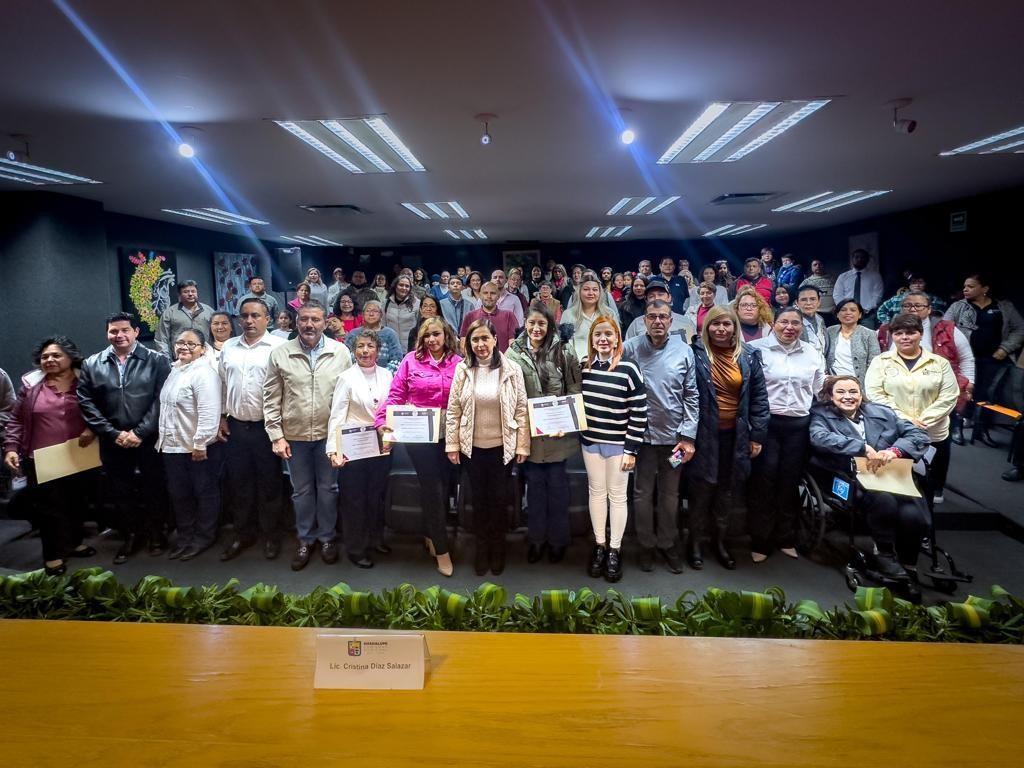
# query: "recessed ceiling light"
x,y
856,199
984,142
593,231
796,203
628,136
466,234
236,216
480,233
451,233
358,144
733,229
722,132
314,240
826,201
1002,148
40,174
622,230
215,215
602,232
444,210
186,150
637,204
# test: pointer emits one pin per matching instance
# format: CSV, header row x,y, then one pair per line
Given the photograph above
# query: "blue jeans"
x,y
315,491
547,503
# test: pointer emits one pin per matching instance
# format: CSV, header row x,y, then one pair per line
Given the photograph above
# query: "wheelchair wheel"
x,y
811,521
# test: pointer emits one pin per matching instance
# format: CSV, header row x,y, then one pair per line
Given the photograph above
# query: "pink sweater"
x,y
422,383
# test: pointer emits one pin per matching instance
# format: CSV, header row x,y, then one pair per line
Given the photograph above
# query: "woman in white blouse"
x,y
189,417
588,303
357,397
794,373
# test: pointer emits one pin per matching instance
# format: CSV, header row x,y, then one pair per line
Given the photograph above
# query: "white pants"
x,y
607,484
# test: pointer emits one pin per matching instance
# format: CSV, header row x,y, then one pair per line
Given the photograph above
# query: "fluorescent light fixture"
x,y
450,233
416,210
828,200
197,214
298,239
437,209
623,230
984,142
236,216
859,198
618,206
607,231
1011,145
314,240
466,234
603,232
733,229
805,111
752,117
746,230
18,178
667,201
790,206
318,145
215,215
593,231
707,117
323,240
642,204
46,175
209,215
345,135
480,233
382,129
719,230
454,205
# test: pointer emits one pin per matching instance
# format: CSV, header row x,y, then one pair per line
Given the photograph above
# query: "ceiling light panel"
x,y
602,232
729,131
312,240
634,206
37,174
975,147
728,230
445,210
827,201
358,144
214,215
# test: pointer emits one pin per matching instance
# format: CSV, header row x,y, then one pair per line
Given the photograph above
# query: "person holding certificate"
x,y
550,368
843,426
46,413
364,469
485,429
424,380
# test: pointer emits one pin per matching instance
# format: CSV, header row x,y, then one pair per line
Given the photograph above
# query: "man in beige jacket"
x,y
301,377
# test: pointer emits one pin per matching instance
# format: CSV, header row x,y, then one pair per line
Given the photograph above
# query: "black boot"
x,y
722,554
596,567
888,566
481,557
613,566
694,553
497,557
956,429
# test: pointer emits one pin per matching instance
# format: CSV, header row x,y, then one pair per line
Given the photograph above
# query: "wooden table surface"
x,y
81,694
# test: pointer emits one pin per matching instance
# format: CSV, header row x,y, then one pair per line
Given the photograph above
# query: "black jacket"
x,y
751,416
110,408
834,440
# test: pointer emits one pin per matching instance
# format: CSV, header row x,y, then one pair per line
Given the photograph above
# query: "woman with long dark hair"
x,y
633,305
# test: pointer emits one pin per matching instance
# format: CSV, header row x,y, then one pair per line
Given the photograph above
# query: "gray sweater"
x,y
673,403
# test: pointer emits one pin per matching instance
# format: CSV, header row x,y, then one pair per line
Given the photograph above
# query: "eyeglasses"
x,y
746,305
185,344
916,306
658,318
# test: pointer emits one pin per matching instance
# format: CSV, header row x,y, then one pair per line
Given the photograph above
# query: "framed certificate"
x,y
409,424
358,441
556,415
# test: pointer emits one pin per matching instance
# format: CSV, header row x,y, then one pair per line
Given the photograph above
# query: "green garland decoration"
x,y
93,594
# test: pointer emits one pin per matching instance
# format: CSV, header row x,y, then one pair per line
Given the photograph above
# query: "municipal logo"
x,y
355,647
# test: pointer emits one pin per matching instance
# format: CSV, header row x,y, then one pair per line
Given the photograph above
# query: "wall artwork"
x,y
232,271
525,260
147,282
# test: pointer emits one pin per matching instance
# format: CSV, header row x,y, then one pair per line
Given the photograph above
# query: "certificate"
x,y
409,424
554,415
895,477
358,441
63,459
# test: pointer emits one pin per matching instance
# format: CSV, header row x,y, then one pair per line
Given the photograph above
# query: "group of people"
x,y
696,389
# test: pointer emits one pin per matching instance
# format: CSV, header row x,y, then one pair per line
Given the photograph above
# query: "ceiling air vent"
x,y
744,198
335,209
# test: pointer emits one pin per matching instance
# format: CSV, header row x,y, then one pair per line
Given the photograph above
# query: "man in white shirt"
x,y
861,284
508,301
253,471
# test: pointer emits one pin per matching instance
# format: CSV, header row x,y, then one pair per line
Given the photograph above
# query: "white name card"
x,y
385,662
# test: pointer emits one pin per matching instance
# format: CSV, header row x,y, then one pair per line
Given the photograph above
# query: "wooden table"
x,y
79,694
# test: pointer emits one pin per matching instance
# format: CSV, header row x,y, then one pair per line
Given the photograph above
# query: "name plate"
x,y
385,662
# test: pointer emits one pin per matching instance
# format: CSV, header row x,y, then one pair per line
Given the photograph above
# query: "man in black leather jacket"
x,y
119,394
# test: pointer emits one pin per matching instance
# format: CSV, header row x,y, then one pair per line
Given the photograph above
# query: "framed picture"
x,y
232,271
525,260
147,280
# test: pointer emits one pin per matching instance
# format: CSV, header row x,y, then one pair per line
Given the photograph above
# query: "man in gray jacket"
x,y
189,314
667,364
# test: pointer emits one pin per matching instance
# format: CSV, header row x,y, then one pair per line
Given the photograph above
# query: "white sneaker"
x,y
938,499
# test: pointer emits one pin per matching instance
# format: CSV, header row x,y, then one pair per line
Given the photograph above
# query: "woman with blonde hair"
x,y
732,428
317,286
615,403
485,430
755,316
588,303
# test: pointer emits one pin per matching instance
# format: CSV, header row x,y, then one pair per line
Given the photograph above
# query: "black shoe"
x,y
646,559
596,567
235,548
271,549
382,549
1013,475
129,548
672,559
329,552
889,567
87,552
556,554
613,566
192,552
57,570
724,556
302,555
956,432
982,435
361,561
178,551
157,544
694,554
497,558
481,558
535,552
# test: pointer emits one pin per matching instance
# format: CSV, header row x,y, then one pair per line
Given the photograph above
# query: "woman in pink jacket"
x,y
424,379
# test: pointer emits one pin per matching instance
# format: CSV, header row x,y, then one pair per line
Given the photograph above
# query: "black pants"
x,y
714,500
939,470
140,500
58,507
253,480
547,502
360,496
194,490
432,469
488,478
774,490
656,527
896,521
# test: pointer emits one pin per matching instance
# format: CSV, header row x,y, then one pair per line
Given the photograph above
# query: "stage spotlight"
x,y
628,136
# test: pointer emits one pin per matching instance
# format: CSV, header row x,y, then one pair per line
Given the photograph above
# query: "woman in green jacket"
x,y
550,368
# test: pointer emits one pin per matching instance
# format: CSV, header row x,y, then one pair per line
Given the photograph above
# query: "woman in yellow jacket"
x,y
486,429
919,385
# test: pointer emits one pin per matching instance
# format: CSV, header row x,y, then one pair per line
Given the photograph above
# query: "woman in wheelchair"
x,y
843,426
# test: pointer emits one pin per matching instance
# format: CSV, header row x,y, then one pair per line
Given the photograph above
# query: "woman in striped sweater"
x,y
615,402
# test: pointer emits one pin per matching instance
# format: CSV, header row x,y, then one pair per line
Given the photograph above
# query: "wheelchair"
x,y
827,493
